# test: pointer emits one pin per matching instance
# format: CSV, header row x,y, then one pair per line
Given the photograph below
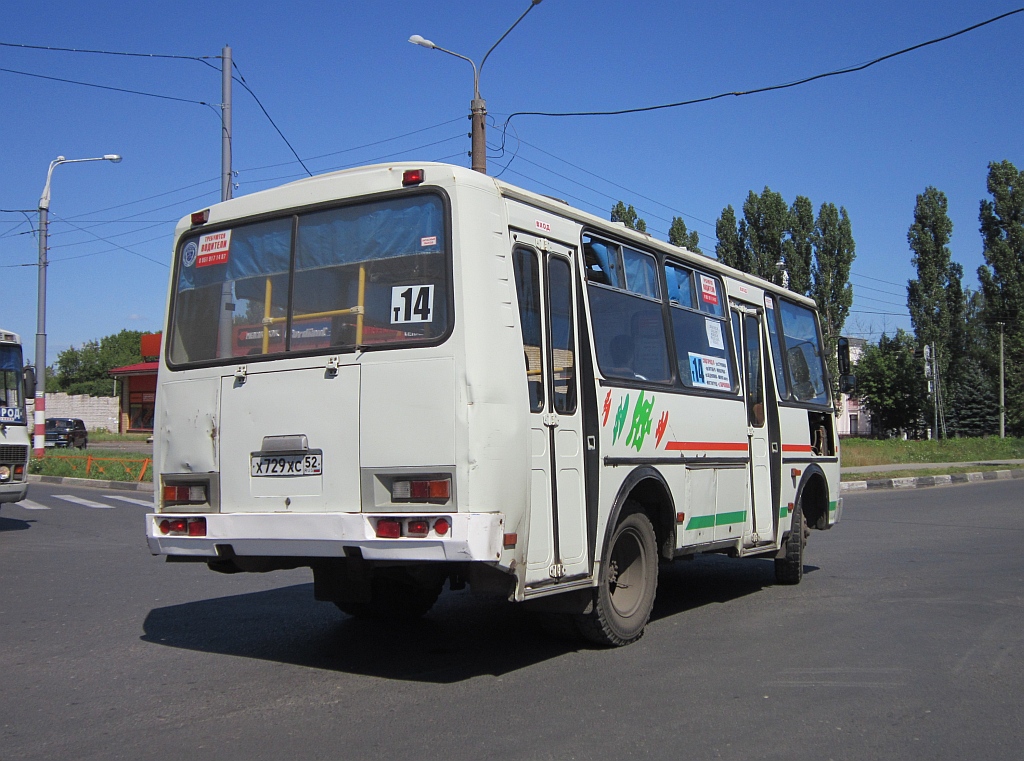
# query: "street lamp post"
x,y
478,106
39,440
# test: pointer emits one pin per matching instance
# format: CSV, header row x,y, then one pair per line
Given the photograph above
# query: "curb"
x,y
96,484
919,482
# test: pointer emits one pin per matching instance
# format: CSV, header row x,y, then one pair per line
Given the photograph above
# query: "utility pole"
x,y
477,106
1002,400
225,324
225,132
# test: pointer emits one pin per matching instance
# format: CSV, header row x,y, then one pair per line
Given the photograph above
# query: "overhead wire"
x,y
770,88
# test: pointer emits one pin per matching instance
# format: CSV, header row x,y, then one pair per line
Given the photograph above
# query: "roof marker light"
x,y
200,217
412,177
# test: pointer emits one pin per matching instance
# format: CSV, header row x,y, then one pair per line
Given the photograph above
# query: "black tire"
x,y
629,580
789,569
396,597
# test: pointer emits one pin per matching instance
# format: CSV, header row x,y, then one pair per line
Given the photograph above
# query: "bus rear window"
x,y
369,274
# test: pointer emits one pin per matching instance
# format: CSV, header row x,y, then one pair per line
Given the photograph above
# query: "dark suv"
x,y
66,432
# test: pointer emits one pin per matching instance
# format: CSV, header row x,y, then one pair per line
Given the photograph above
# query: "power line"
x,y
112,243
200,59
771,88
241,80
107,87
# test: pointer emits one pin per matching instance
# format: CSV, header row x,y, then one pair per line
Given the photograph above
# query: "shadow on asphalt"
x,y
13,524
464,635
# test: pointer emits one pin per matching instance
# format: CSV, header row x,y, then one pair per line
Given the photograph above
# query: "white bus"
x,y
16,384
407,374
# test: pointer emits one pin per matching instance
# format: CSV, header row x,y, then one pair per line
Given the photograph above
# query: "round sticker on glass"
x,y
188,254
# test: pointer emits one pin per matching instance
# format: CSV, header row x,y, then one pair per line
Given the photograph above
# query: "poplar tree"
x,y
1002,279
935,297
729,248
628,216
679,236
799,247
834,251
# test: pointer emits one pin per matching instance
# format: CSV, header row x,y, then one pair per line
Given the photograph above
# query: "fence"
x,y
87,466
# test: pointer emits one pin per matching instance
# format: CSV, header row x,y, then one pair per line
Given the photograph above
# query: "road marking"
x,y
132,500
30,505
83,502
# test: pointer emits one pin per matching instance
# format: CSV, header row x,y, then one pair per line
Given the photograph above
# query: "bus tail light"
x,y
389,528
417,527
184,494
438,489
441,526
200,217
183,527
412,177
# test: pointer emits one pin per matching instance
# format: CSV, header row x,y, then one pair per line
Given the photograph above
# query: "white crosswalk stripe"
x,y
30,505
131,500
83,502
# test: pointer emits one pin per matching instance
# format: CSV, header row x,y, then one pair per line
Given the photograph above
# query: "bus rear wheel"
x,y
789,569
629,581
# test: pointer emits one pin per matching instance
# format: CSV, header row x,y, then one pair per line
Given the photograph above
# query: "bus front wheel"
x,y
629,580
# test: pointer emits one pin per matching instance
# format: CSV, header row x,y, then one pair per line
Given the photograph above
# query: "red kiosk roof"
x,y
141,368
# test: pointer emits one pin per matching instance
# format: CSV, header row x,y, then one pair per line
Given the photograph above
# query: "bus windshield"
x,y
11,402
367,274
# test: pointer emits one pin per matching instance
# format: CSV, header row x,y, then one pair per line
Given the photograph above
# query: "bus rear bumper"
x,y
470,536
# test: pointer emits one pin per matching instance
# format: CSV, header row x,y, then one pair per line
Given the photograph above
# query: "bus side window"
x,y
602,262
527,273
563,346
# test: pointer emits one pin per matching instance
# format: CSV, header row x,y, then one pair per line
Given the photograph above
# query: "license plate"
x,y
287,465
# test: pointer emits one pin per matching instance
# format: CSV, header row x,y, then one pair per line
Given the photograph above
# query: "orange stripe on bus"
x,y
715,446
796,448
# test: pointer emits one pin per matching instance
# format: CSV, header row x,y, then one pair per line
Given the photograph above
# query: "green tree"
x,y
799,247
767,223
935,298
729,248
628,216
85,370
1002,279
834,252
973,402
679,236
891,383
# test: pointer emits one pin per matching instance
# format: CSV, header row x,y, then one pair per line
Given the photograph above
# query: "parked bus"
x,y
16,384
407,374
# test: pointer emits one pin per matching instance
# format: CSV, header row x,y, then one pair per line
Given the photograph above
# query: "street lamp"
x,y
478,106
39,442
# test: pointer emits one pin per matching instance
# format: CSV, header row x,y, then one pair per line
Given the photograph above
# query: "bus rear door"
x,y
557,543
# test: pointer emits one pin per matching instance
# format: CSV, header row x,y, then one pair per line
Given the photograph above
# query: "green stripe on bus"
x,y
724,519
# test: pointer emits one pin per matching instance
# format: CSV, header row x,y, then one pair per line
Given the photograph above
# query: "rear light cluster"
x,y
435,490
417,528
184,494
182,526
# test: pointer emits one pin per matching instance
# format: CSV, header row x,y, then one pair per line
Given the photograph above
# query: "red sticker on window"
x,y
708,291
213,249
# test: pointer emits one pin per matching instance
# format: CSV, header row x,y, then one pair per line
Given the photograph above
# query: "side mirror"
x,y
847,384
29,380
843,355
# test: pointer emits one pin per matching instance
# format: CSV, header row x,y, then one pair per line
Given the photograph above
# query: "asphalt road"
x,y
904,640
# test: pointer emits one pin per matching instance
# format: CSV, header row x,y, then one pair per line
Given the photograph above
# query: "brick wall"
x,y
96,411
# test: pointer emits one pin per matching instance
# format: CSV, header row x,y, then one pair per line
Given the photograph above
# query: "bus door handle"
x,y
551,419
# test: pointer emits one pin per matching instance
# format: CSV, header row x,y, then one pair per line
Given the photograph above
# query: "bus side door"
x,y
557,542
748,325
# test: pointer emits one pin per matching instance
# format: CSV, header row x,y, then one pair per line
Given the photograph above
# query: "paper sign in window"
x,y
213,248
709,372
708,291
714,331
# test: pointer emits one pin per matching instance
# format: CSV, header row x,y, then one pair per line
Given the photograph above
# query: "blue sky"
x,y
336,76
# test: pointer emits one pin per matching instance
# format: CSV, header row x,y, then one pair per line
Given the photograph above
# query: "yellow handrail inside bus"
x,y
359,304
266,318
